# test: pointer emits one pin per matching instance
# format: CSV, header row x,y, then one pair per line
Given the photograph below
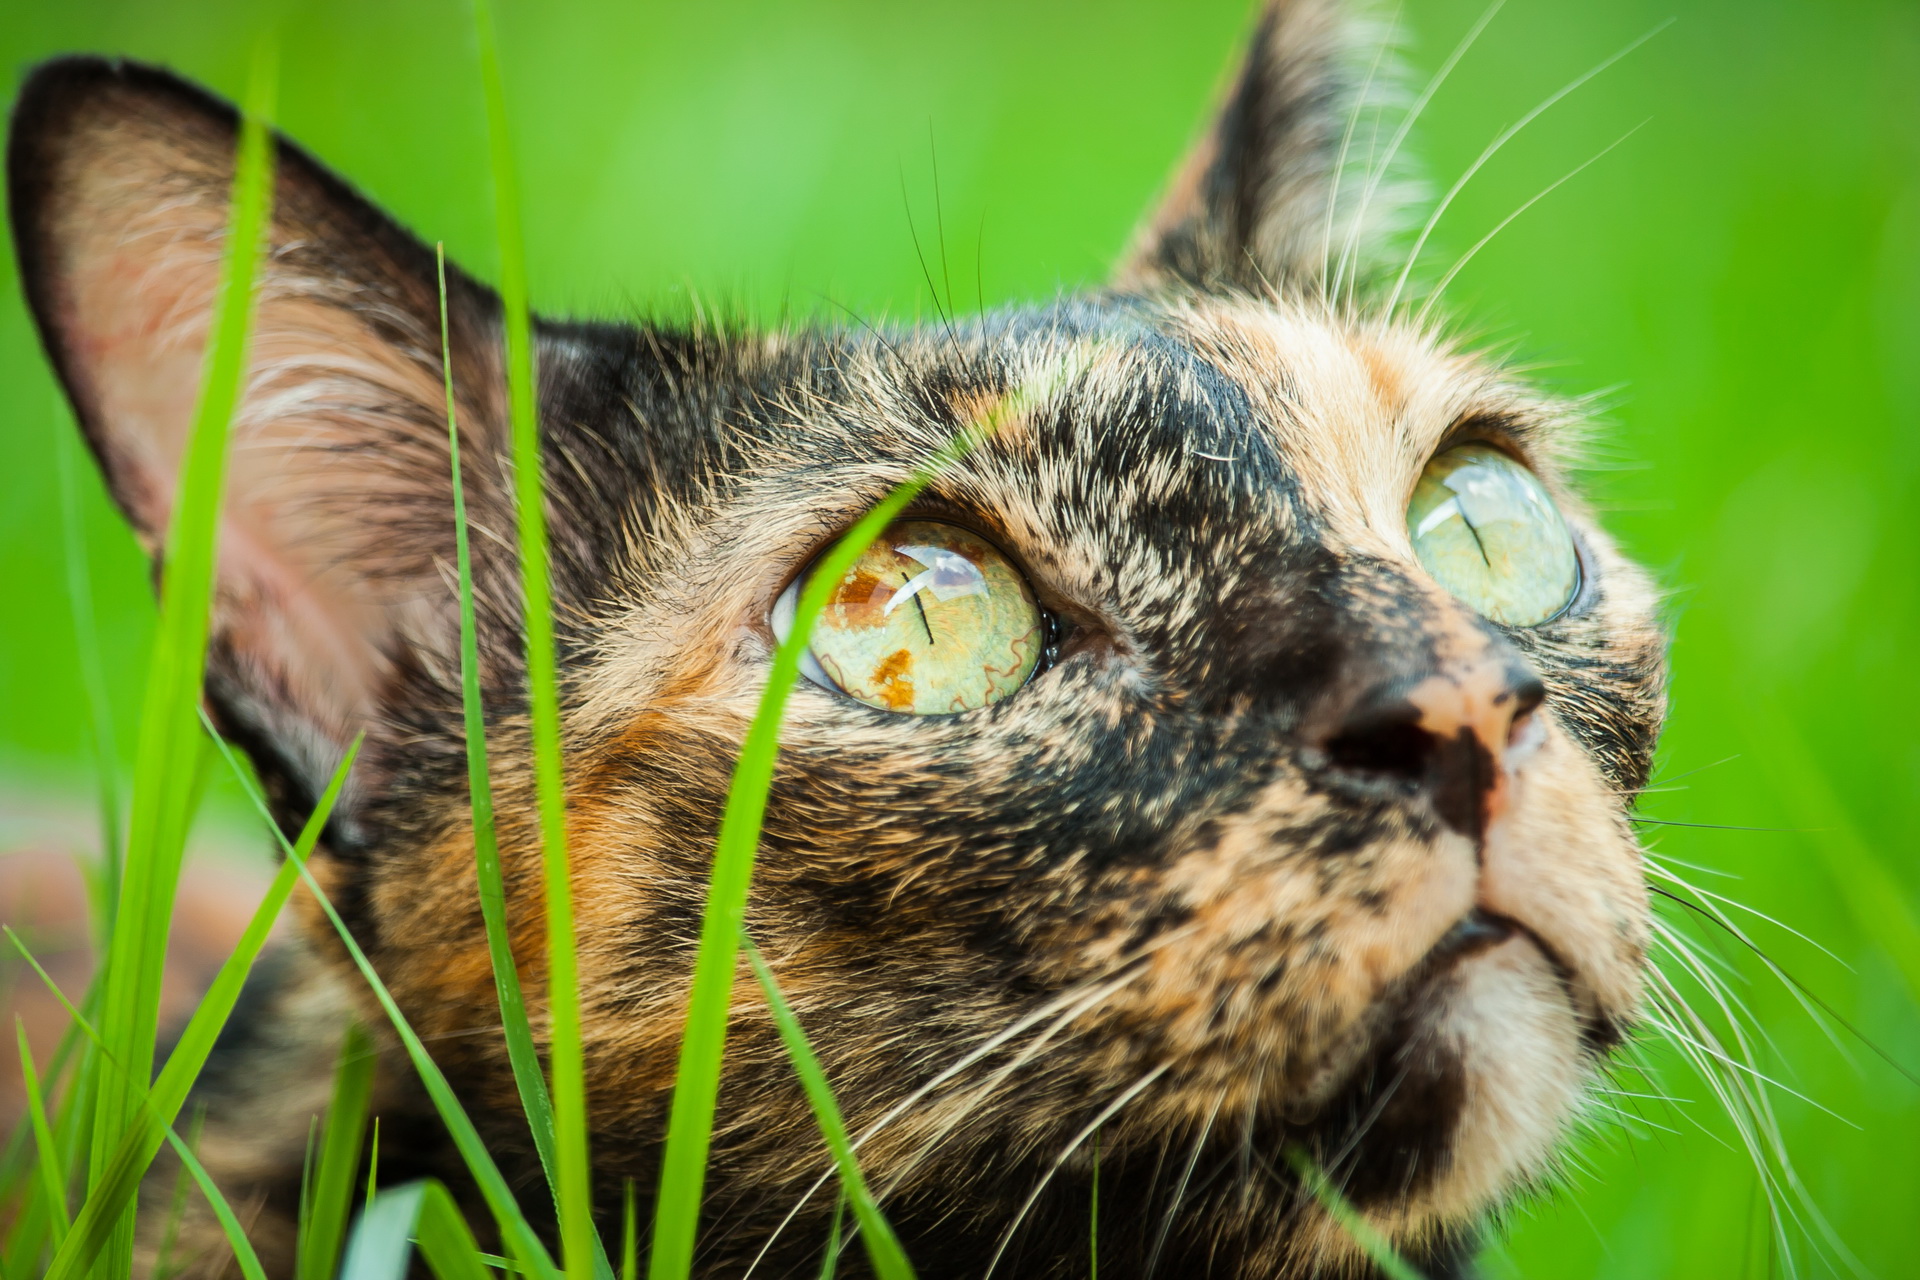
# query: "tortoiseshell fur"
x,y
1279,853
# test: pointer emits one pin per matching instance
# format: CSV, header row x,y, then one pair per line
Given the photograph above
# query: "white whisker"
x,y
1493,148
1665,874
1350,251
1059,1160
1346,141
1074,1001
1180,1190
1504,223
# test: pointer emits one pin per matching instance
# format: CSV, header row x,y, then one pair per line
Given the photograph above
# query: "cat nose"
x,y
1455,732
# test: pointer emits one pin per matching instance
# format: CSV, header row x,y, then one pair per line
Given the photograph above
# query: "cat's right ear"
x,y
332,603
1256,204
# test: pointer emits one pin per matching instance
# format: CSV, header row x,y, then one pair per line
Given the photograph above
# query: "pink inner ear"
x,y
136,326
312,598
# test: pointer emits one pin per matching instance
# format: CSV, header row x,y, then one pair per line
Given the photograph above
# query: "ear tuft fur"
x,y
1258,205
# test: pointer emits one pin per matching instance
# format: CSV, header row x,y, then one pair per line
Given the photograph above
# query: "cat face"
x,y
1263,842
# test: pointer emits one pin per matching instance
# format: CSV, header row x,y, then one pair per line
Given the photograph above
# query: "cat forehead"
x,y
1202,406
1195,438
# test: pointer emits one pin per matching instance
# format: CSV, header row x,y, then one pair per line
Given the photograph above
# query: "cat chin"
x,y
1491,1065
1507,1023
1461,1092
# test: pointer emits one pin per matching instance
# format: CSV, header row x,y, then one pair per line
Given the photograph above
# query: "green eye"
x,y
932,619
1485,528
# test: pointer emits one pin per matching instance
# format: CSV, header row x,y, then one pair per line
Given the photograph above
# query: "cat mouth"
x,y
1479,932
1405,1014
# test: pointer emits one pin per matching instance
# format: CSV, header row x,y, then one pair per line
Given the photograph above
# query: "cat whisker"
x,y
1372,1118
1061,1010
1711,1060
1731,1006
1706,910
969,1105
1749,1109
1647,1097
1492,149
1245,1157
1719,918
1713,826
1680,1105
1107,1113
1360,102
1350,252
1180,1188
864,323
926,272
1698,769
1627,1119
1460,264
1812,1003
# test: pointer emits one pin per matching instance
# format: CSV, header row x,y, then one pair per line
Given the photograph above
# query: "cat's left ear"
x,y
1247,210
333,613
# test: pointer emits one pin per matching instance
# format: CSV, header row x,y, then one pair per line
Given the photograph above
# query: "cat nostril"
x,y
1528,692
1390,744
1447,737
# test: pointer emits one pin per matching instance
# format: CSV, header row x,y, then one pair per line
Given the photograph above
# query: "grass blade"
x,y
1378,1250
53,1175
242,1247
565,1056
163,1264
112,1191
525,1059
373,1163
830,1262
876,1233
382,1242
514,1227
703,1045
422,1212
630,1237
169,731
86,640
1093,1216
236,1234
30,1223
445,1240
325,1222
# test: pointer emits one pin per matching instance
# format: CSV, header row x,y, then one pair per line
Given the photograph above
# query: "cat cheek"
x,y
1561,864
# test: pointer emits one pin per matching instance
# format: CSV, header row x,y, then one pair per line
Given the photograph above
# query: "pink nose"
x,y
1449,732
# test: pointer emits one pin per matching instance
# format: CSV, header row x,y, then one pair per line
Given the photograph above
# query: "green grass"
x,y
572,1175
1747,266
323,1217
423,1214
518,1032
1375,1246
111,1190
170,750
883,1246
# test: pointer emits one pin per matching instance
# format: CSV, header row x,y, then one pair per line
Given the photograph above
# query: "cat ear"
x,y
333,598
1248,208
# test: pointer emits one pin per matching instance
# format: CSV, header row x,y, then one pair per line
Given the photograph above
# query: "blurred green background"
x,y
1741,279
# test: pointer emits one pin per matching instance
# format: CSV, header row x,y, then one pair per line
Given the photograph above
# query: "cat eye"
x,y
932,619
1487,530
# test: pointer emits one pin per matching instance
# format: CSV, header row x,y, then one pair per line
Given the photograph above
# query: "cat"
x,y
1261,791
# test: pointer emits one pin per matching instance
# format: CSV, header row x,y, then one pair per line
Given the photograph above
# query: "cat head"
x,y
1158,774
